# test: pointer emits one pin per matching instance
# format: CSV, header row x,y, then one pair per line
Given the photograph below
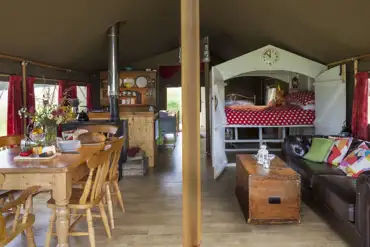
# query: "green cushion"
x,y
319,149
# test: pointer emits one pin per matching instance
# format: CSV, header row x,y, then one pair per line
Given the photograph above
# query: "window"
x,y
270,95
3,107
42,90
81,96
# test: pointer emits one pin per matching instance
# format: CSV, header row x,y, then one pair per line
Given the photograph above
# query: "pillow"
x,y
238,102
361,165
319,149
309,107
301,98
247,107
298,149
351,159
298,145
339,150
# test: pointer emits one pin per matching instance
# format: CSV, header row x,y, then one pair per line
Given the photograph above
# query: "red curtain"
x,y
14,126
169,71
31,94
73,92
62,86
88,96
359,107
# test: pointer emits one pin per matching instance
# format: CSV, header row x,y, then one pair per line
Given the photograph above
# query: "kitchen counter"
x,y
123,115
142,130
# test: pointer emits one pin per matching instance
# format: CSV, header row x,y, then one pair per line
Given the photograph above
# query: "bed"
x,y
264,117
270,116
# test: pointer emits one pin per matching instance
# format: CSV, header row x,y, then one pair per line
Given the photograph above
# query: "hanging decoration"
x,y
295,82
179,58
206,53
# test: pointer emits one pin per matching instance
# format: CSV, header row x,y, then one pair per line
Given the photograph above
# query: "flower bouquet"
x,y
45,120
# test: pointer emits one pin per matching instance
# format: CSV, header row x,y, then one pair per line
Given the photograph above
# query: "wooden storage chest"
x,y
268,196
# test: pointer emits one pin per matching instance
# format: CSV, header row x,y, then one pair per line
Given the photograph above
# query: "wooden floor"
x,y
153,215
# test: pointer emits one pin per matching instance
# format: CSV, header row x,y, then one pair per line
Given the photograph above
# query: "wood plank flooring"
x,y
153,215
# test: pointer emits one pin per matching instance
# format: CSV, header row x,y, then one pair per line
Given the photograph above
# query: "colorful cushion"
x,y
351,159
361,165
319,149
339,150
301,98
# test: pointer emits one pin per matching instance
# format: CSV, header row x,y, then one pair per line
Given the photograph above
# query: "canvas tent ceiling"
x,y
72,33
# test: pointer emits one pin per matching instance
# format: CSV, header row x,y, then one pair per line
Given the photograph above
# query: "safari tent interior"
x,y
279,88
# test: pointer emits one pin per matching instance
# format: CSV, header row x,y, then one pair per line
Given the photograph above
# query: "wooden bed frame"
x,y
260,140
233,130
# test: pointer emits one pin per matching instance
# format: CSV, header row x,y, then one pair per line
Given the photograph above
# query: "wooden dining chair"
x,y
10,212
86,199
109,130
111,185
7,142
112,190
10,141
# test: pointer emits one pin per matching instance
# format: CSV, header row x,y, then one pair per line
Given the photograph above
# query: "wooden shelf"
x,y
135,89
148,94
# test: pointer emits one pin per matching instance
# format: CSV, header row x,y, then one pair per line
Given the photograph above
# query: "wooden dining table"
x,y
55,174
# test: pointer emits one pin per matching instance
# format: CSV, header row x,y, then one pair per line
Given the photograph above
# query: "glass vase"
x,y
50,135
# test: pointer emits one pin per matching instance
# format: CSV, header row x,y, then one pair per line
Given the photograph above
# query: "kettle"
x,y
82,116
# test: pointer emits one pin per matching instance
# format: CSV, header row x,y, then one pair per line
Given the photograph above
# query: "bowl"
x,y
69,146
67,135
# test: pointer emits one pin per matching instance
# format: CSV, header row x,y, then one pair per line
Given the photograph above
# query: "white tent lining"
x,y
252,63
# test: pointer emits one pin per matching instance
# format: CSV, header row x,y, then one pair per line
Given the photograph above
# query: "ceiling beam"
x,y
40,64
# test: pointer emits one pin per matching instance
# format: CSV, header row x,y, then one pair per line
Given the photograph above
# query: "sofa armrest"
x,y
362,216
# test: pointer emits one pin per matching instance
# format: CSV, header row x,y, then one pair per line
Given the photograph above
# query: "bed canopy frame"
x,y
251,64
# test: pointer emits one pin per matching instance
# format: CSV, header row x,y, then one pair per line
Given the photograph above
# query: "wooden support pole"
x,y
24,92
207,85
190,82
355,70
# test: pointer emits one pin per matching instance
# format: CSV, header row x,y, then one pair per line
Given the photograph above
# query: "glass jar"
x,y
266,163
262,154
50,135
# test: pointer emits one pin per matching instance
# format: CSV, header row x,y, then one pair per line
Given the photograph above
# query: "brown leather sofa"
x,y
344,202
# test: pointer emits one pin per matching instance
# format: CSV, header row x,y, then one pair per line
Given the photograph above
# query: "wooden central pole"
x,y
190,82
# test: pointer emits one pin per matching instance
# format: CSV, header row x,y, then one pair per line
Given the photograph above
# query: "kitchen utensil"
x,y
141,82
69,146
128,82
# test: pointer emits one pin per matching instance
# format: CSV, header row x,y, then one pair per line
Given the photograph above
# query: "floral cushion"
x,y
339,150
301,98
357,161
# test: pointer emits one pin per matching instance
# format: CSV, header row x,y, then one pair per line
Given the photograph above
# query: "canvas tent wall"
x,y
252,64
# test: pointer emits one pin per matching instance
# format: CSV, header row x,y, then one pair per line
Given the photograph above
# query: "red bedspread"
x,y
270,116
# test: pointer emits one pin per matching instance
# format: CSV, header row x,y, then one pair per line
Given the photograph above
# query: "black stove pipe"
x,y
113,71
